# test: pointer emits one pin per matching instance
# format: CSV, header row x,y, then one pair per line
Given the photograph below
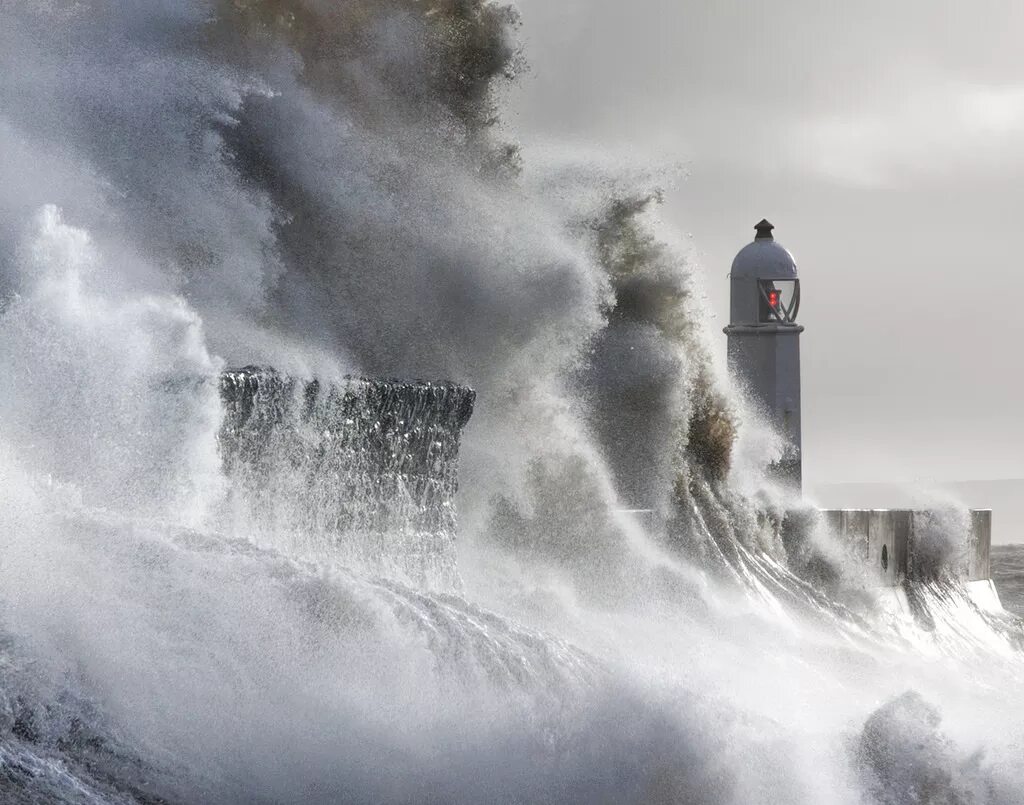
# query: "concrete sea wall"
x,y
364,471
905,544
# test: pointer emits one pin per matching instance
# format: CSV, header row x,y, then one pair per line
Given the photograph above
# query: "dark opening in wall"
x,y
885,557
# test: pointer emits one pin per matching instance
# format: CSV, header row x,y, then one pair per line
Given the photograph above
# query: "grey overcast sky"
x,y
885,140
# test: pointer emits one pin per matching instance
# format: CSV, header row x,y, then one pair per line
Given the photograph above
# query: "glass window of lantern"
x,y
779,301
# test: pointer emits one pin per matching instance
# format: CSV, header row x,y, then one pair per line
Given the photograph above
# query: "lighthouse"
x,y
764,340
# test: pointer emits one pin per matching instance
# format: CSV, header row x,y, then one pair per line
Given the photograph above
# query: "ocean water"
x,y
1008,574
336,607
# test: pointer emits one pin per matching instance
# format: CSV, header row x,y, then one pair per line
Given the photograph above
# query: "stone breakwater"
x,y
364,469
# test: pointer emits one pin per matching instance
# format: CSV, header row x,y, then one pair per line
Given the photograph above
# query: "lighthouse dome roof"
x,y
765,258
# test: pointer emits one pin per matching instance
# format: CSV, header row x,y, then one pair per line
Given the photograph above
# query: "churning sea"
x,y
1008,574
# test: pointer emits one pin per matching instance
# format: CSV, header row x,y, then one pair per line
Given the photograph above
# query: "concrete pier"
x,y
367,469
891,541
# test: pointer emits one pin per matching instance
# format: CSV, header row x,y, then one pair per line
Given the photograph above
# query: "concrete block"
x,y
979,558
853,525
885,538
882,545
903,527
832,519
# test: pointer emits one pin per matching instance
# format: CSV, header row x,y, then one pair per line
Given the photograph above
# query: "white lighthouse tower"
x,y
764,339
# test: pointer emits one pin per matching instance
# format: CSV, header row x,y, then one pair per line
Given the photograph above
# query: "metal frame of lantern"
x,y
781,314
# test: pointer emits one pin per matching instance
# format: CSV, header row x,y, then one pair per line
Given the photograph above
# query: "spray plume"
x,y
327,188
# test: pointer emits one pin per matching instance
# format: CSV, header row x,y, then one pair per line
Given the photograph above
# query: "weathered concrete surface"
x,y
366,470
981,535
886,539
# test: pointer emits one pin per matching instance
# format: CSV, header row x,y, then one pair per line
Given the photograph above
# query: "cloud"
x,y
952,129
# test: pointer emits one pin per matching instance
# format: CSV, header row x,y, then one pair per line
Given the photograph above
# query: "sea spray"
x,y
328,189
360,472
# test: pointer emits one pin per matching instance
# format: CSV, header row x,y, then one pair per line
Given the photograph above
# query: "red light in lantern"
x,y
773,298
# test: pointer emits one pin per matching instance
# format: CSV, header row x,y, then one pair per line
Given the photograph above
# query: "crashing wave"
x,y
265,601
366,470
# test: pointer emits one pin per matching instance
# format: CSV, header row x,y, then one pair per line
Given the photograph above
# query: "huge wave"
x,y
328,188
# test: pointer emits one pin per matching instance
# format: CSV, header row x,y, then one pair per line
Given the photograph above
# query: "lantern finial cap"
x,y
765,258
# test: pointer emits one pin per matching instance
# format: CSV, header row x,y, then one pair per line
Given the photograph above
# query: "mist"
x,y
335,190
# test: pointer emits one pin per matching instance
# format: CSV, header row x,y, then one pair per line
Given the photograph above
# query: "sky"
x,y
885,141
